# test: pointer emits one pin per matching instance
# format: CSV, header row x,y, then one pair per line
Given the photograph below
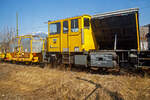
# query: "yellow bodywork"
x,y
2,56
137,28
8,57
71,41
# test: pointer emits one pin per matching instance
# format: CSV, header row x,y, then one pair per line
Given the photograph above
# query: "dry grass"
x,y
18,82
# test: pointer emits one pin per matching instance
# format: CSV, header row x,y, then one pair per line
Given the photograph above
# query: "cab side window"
x,y
86,23
74,25
55,28
65,27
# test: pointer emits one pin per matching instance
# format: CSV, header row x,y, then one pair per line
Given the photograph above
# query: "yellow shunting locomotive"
x,y
68,35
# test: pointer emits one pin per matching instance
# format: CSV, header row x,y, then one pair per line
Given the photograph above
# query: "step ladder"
x,y
67,58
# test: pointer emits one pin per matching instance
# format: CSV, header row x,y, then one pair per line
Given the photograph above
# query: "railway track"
x,y
130,71
103,71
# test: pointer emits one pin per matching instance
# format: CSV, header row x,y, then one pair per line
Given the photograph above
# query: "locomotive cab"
x,y
71,35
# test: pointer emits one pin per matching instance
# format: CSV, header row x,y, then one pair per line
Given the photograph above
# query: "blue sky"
x,y
33,13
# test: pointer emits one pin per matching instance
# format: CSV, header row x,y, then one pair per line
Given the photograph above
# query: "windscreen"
x,y
25,44
14,47
118,28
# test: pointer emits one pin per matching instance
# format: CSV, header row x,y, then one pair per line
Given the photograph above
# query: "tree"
x,y
6,36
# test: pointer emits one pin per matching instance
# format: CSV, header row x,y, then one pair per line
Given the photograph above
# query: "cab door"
x,y
75,35
54,37
88,40
64,37
86,33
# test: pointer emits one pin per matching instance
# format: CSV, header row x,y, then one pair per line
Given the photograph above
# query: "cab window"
x,y
86,23
55,28
74,25
65,27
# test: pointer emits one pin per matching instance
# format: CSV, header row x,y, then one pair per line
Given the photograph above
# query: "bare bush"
x,y
6,36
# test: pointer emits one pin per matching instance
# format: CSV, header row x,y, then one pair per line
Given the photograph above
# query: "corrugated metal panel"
x,y
81,60
37,46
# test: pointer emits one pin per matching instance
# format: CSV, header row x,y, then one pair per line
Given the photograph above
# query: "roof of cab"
x,y
68,18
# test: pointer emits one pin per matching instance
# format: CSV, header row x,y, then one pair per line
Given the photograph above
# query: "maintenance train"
x,y
105,40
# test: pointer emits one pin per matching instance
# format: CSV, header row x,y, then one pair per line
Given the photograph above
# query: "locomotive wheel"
x,y
68,67
13,62
42,65
27,63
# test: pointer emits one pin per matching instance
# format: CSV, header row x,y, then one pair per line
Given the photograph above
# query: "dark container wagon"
x,y
117,34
